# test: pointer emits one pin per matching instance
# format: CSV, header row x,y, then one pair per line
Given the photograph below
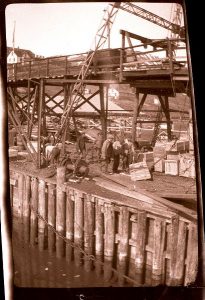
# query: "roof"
x,y
21,52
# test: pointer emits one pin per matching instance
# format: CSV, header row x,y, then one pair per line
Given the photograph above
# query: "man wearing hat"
x,y
107,152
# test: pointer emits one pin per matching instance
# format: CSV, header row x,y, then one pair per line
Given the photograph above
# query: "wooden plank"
x,y
20,194
60,211
140,247
89,222
69,225
109,223
158,255
192,256
123,244
26,209
173,247
42,212
51,216
34,210
78,227
99,238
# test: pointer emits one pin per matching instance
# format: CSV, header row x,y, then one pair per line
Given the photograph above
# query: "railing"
x,y
108,60
140,242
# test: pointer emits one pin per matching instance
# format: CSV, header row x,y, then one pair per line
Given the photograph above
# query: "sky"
x,y
69,28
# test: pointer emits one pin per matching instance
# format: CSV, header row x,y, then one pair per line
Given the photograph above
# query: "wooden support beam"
x,y
102,113
51,216
134,120
34,210
40,108
99,236
42,208
69,225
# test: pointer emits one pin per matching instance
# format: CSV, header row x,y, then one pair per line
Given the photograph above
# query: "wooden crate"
x,y
171,167
187,167
148,157
159,164
159,151
173,155
139,171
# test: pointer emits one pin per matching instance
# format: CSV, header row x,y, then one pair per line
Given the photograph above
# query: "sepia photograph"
x,y
104,183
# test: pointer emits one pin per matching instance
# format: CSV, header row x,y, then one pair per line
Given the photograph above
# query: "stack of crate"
x,y
174,151
159,153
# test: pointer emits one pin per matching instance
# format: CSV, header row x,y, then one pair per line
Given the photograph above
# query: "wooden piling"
x,y
133,253
99,239
173,246
60,211
88,231
123,244
192,255
109,218
20,195
78,227
34,208
181,248
42,212
140,247
69,225
158,251
26,208
51,216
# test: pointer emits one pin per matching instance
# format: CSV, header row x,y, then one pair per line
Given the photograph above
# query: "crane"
x,y
101,37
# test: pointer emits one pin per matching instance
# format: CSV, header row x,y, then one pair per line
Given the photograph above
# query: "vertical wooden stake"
x,y
99,239
69,225
159,244
134,121
192,255
109,240
123,243
102,115
173,248
78,227
140,247
60,211
20,195
51,216
42,213
88,231
26,208
34,208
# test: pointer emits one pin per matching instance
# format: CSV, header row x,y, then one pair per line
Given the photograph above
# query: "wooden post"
x,y
20,195
51,216
69,225
34,208
133,251
123,243
167,115
140,247
109,218
29,104
88,231
181,248
42,212
26,208
173,248
158,254
78,226
134,120
40,106
102,114
60,210
99,239
192,255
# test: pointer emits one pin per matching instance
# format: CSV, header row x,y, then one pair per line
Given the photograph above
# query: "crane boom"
x,y
149,16
99,41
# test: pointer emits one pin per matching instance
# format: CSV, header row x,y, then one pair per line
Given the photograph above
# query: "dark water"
x,y
35,268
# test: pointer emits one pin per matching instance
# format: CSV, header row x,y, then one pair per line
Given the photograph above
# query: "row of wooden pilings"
x,y
135,244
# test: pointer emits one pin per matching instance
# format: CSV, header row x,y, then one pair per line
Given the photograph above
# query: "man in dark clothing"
x,y
116,156
81,145
107,153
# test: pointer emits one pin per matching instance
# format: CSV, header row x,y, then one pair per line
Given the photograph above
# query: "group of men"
x,y
109,152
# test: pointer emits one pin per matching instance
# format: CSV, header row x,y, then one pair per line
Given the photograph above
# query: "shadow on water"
x,y
42,269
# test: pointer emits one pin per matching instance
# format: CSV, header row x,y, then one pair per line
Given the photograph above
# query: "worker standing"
x,y
98,145
116,155
81,145
107,153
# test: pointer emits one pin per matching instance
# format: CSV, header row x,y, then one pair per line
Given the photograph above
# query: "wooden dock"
x,y
136,239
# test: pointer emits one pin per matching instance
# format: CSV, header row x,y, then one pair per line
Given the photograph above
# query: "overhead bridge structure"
x,y
153,67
